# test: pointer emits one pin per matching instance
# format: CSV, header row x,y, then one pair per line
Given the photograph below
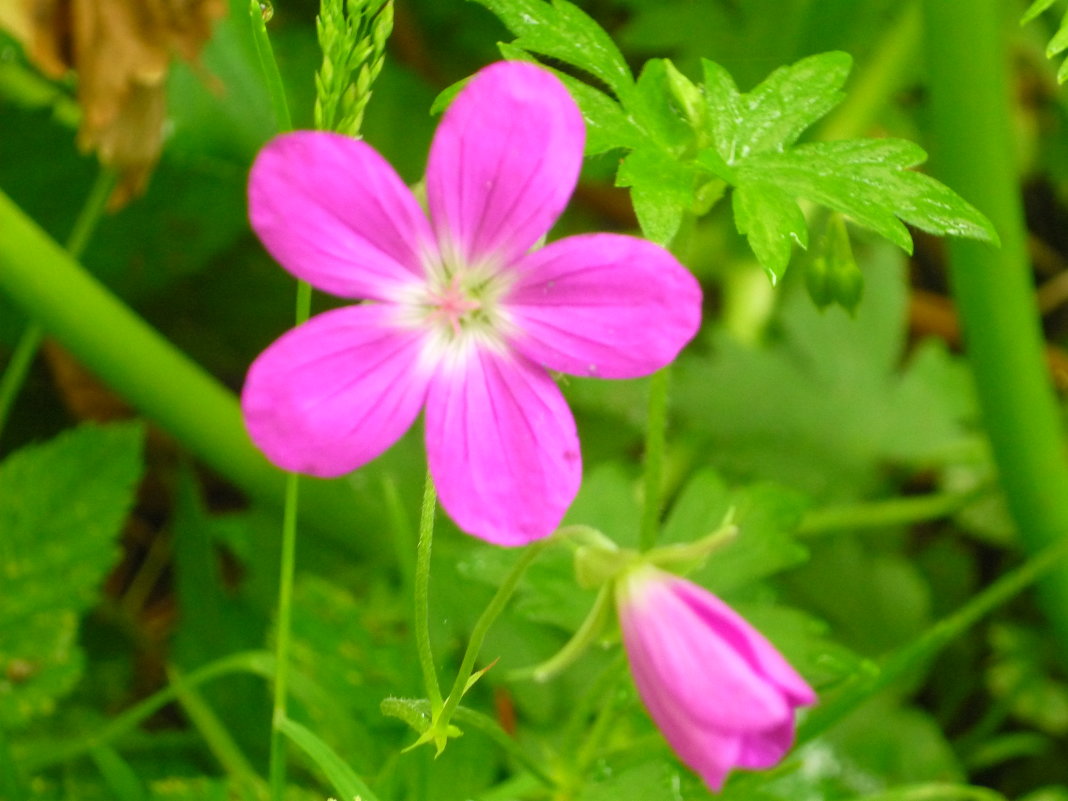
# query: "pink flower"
x,y
721,694
463,314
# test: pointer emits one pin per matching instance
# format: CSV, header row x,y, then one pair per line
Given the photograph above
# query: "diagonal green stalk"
x,y
130,356
30,341
973,151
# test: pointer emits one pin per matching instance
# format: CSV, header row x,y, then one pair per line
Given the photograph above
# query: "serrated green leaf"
x,y
662,191
565,32
775,113
62,504
868,181
772,222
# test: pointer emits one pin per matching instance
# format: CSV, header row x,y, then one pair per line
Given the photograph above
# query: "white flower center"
x,y
460,305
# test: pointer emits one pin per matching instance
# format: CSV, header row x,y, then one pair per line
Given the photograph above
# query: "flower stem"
x,y
974,152
18,368
422,597
277,770
30,341
655,441
284,122
478,633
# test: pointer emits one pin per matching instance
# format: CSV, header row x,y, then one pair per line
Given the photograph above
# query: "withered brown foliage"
x,y
120,51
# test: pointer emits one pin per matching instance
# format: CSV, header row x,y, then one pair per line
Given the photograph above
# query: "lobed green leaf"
x,y
777,112
868,180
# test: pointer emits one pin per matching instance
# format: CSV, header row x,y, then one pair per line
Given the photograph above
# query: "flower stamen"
x,y
453,305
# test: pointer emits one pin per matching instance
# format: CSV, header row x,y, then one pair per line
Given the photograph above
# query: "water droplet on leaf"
x,y
267,10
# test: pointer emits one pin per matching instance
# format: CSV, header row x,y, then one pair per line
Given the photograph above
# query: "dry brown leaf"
x,y
120,51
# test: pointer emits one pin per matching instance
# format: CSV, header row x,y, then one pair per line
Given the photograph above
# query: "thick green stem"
x,y
973,151
131,357
30,341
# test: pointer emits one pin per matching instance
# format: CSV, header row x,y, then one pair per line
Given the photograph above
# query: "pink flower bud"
x,y
721,694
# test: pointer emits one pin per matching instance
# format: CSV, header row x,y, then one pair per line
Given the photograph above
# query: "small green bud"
x,y
689,97
832,274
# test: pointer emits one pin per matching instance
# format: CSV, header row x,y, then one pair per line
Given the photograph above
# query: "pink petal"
x,y
748,642
670,646
707,751
334,213
765,749
604,305
502,446
335,392
503,162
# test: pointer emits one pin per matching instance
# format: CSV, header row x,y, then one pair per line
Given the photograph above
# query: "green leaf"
x,y
656,111
338,773
869,181
662,190
1059,42
348,681
831,402
565,32
775,113
652,780
767,517
752,138
773,223
1035,9
62,505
